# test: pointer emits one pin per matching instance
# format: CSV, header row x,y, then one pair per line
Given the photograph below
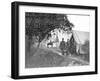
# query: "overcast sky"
x,y
81,22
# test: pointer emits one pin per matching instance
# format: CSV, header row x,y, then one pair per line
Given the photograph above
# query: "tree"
x,y
41,24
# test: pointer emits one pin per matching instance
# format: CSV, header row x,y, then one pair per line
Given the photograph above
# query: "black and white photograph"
x,y
51,40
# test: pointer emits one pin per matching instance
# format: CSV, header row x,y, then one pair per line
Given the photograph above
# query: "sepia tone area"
x,y
51,41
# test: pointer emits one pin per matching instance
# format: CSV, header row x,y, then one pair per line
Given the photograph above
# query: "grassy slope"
x,y
43,58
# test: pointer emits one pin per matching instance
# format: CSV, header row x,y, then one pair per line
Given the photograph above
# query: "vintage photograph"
x,y
56,40
50,40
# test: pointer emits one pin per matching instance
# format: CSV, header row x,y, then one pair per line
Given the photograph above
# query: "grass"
x,y
49,57
43,58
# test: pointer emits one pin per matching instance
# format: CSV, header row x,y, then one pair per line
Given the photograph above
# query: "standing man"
x,y
68,47
62,46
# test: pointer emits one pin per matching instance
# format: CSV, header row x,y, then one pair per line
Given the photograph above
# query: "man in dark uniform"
x,y
62,46
67,47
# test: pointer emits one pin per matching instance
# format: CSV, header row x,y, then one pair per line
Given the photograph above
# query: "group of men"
x,y
64,46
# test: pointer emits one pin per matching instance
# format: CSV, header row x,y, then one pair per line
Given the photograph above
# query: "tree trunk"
x,y
29,45
38,45
37,48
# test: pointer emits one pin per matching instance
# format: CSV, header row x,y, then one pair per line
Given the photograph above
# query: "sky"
x,y
81,27
81,22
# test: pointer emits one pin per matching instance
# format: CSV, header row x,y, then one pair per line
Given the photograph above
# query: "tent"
x,y
77,41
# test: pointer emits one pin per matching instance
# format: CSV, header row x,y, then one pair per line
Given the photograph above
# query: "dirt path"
x,y
80,60
68,58
49,57
55,50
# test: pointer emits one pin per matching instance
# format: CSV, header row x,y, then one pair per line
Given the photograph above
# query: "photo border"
x,y
15,39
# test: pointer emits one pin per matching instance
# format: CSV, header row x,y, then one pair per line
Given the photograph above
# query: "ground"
x,y
52,57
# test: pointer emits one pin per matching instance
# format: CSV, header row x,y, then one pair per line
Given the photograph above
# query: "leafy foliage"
x,y
41,24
